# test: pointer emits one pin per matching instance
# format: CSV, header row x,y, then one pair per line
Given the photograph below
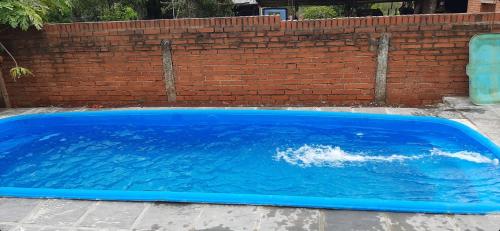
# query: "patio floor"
x,y
48,214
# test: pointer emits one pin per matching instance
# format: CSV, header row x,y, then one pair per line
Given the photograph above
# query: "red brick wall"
x,y
245,61
477,6
474,6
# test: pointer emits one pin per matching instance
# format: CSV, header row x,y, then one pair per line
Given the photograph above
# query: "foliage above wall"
x,y
25,13
109,10
114,10
319,12
119,12
199,8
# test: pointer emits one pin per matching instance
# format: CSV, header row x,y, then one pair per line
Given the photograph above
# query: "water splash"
x,y
325,155
466,155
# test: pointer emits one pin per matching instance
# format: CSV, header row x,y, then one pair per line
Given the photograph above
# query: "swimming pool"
x,y
268,157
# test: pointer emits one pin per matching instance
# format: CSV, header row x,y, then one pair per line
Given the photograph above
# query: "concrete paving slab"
x,y
228,217
495,108
407,111
112,215
488,125
354,220
423,222
14,209
26,228
275,218
58,212
25,111
56,229
459,103
337,109
372,110
168,216
30,227
480,115
11,112
41,228
479,223
6,227
444,113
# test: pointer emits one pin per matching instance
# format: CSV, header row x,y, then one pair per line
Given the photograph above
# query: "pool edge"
x,y
255,199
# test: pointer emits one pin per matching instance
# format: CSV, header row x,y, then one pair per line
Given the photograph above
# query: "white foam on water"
x,y
49,136
466,155
321,155
325,155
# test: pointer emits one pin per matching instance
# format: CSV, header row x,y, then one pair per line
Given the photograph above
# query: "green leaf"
x,y
319,12
18,72
26,13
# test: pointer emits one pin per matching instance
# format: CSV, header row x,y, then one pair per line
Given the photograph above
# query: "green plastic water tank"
x,y
484,69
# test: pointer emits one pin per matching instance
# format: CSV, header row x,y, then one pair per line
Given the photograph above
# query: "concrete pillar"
x,y
168,70
381,75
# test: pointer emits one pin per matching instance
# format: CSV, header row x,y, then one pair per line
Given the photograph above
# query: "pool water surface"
x,y
290,158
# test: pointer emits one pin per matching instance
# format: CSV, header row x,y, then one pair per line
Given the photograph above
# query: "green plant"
x,y
24,14
95,10
17,71
18,14
319,12
59,15
119,12
87,10
199,8
387,8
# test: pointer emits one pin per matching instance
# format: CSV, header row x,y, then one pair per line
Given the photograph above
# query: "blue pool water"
x,y
294,158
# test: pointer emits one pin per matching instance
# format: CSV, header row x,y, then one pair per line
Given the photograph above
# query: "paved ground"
x,y
35,214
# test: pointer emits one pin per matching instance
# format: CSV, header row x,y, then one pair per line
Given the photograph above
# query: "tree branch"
x,y
8,52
